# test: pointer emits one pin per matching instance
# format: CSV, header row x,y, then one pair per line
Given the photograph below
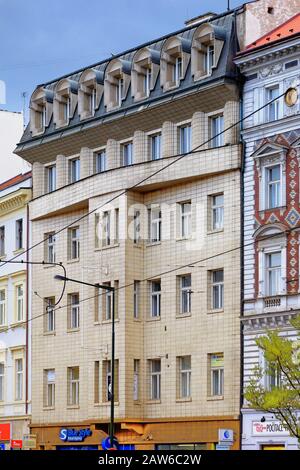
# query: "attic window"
x,y
174,62
90,92
145,70
116,83
40,110
65,102
206,50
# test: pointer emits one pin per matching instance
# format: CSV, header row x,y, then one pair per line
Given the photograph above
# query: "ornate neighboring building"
x,y
270,66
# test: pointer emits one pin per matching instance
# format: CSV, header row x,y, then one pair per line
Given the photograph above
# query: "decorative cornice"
x,y
14,201
263,57
268,321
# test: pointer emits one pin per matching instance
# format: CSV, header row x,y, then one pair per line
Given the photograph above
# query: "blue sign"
x,y
222,447
74,435
2,446
106,443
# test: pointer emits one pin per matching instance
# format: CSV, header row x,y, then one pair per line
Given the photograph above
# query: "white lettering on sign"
x,y
268,428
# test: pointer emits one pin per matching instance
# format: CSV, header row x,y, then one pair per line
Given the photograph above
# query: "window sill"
x,y
107,247
49,333
47,266
73,407
216,398
216,310
153,319
3,257
184,400
153,244
138,320
137,402
3,328
211,232
48,408
272,209
18,251
71,261
183,315
184,239
18,324
153,402
138,245
73,330
105,403
107,322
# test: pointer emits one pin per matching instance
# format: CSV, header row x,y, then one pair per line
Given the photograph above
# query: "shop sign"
x,y
5,432
16,443
269,428
2,446
74,435
222,447
225,435
29,441
217,360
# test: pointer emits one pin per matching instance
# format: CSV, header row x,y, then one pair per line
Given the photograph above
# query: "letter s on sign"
x,y
63,434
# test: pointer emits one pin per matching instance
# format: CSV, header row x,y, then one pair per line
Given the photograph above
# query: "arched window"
x,y
145,70
175,58
41,104
116,83
65,101
207,44
91,85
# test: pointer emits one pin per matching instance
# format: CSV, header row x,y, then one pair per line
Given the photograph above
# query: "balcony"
x,y
272,302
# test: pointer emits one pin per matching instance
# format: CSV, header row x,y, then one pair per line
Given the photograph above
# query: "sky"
x,y
42,40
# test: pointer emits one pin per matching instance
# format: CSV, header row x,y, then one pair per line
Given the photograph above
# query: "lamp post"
x,y
112,382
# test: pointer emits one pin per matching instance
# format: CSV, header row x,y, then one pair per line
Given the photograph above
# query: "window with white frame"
x,y
155,379
74,170
50,247
155,299
107,376
106,228
155,146
155,222
272,375
2,307
185,283
74,311
185,138
208,59
273,273
217,211
49,387
74,243
177,70
2,240
185,219
217,128
50,314
206,50
2,378
216,364
73,386
136,299
19,234
217,283
147,81
51,178
273,186
185,376
107,302
136,226
19,302
100,161
127,154
19,379
272,110
136,379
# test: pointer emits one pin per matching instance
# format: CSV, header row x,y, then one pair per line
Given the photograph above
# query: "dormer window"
x,y
175,57
65,102
90,92
144,72
207,46
40,110
116,83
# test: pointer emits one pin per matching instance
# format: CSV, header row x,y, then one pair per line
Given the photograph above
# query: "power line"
x,y
178,157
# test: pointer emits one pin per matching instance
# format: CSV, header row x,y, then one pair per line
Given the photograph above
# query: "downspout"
x,y
27,307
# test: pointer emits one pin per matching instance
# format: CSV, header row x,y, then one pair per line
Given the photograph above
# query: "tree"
x,y
283,400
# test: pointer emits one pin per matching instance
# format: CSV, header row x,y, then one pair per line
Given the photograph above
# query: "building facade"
x,y
270,66
15,373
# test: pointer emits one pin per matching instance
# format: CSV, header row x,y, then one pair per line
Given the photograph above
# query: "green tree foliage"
x,y
283,400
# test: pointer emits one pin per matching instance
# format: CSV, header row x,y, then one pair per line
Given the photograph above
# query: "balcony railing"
x,y
271,302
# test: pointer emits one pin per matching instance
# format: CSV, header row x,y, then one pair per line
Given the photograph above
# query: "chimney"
x,y
200,19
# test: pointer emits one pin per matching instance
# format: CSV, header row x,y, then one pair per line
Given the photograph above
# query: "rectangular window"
x,y
97,382
50,247
185,219
106,227
155,379
19,379
74,311
107,375
136,379
2,307
100,161
127,154
209,59
273,273
116,238
73,386
66,109
155,301
74,170
49,376
272,110
119,91
185,293
20,302
155,146
147,81
216,374
217,212
74,243
108,302
185,138
273,186
51,178
217,127
50,314
185,376
154,218
2,377
19,234
273,377
137,226
2,241
217,289
177,70
136,299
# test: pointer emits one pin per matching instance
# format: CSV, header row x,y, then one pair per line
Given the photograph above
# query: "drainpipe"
x,y
27,307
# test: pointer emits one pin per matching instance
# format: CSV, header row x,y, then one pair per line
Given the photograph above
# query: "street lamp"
x,y
58,277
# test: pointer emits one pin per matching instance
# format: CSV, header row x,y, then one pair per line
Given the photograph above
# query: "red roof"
x,y
15,180
283,31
